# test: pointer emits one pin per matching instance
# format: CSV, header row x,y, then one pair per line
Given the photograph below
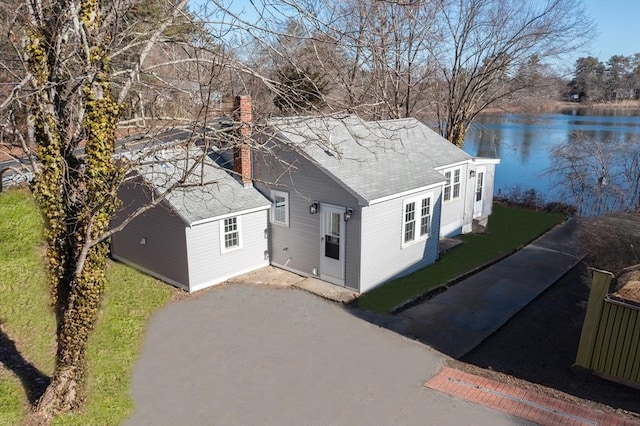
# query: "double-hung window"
x,y
231,238
416,222
425,217
409,222
451,185
280,207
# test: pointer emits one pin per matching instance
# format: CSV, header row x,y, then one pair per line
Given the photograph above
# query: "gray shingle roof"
x,y
209,192
372,159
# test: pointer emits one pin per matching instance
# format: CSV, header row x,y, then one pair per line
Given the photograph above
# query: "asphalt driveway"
x,y
258,355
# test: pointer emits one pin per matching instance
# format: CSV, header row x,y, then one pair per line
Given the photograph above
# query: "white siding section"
x,y
383,256
209,266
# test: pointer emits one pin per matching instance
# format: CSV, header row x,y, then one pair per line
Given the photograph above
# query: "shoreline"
x,y
556,106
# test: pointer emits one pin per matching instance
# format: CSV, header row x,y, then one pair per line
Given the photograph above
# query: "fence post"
x,y
599,289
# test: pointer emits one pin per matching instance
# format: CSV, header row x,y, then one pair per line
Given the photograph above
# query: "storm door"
x,y
332,244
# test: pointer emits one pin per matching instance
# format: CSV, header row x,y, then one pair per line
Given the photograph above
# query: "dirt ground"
x,y
537,348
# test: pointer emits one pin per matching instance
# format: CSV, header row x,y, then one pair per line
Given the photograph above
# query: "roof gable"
x,y
373,159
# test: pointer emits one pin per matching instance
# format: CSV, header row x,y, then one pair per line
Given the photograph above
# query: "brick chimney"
x,y
242,151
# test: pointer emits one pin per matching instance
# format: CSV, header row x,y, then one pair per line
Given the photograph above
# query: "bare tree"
x,y
446,60
384,66
486,41
70,74
373,55
598,176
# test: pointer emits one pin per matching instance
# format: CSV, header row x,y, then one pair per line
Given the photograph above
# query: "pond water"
x,y
524,142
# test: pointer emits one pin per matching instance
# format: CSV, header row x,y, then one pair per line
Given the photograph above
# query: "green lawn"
x,y
510,228
131,297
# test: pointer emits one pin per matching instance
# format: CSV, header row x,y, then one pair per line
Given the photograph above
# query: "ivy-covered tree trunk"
x,y
456,133
76,264
76,194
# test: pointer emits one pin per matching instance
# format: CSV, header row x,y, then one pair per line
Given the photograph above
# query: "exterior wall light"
x,y
348,214
313,208
472,173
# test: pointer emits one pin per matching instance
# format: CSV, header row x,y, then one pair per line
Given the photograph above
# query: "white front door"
x,y
332,244
479,192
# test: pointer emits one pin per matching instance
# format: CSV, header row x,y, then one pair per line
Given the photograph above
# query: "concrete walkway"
x,y
457,320
327,290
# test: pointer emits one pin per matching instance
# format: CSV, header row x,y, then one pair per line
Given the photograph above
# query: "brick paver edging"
x,y
529,405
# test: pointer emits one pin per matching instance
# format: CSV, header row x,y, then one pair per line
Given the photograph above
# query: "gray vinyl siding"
x,y
209,266
383,256
457,213
165,253
297,247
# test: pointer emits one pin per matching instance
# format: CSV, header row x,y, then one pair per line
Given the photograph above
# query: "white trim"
x,y
483,160
454,165
224,216
150,272
277,193
406,193
227,277
417,219
452,170
223,248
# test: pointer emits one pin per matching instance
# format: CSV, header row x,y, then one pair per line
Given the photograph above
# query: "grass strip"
x,y
27,322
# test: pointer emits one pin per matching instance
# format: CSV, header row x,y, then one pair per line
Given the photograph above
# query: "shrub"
x,y
532,199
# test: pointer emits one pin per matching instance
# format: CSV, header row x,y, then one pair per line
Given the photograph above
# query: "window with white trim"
x,y
452,184
409,222
231,237
416,221
280,207
425,217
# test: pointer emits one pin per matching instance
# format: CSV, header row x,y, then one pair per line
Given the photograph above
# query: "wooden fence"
x,y
610,339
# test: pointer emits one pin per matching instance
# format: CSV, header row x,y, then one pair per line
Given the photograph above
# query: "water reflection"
x,y
524,143
599,112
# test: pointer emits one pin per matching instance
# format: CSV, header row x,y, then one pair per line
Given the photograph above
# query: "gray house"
x,y
350,202
204,231
357,203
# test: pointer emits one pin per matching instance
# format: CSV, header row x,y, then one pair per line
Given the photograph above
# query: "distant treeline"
x,y
616,79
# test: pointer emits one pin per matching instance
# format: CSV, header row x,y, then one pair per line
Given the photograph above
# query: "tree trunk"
x,y
66,391
78,211
64,394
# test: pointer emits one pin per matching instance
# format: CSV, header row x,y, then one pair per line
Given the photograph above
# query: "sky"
x,y
617,22
618,28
